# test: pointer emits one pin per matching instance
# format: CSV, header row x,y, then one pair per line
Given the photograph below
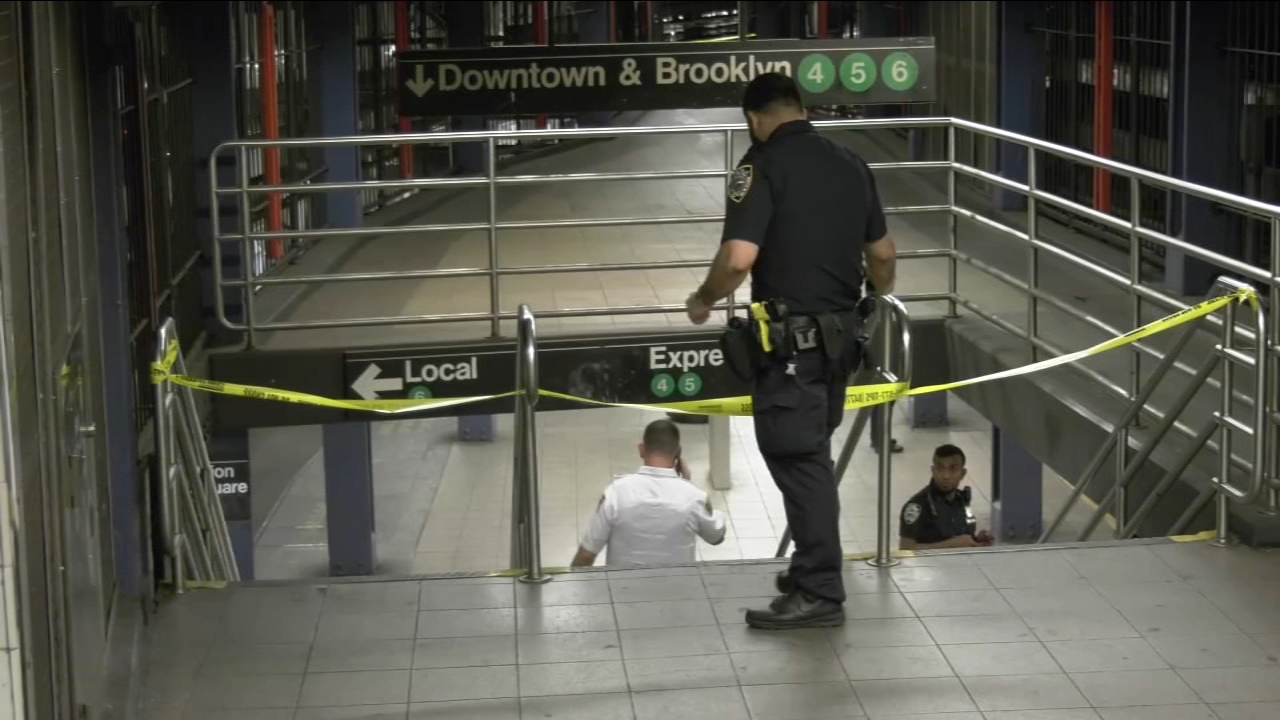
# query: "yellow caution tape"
x,y
856,396
1204,536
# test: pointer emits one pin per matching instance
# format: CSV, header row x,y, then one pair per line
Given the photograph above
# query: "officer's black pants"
x,y
795,416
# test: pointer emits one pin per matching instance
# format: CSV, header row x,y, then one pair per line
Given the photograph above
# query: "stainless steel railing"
x,y
196,544
1040,250
526,533
244,190
1222,421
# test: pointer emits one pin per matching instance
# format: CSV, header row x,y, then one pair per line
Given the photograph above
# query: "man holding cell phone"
x,y
655,515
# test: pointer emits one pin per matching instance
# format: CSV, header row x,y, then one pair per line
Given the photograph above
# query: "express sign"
x,y
660,76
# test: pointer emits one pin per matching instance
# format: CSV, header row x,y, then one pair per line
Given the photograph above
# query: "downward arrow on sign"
x,y
368,385
419,84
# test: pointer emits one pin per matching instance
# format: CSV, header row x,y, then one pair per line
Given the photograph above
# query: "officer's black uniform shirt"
x,y
929,517
810,205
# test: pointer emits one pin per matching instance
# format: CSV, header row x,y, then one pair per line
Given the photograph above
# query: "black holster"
x,y
740,347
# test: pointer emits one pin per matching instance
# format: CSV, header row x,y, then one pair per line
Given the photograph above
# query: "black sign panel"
x,y
660,76
229,455
656,369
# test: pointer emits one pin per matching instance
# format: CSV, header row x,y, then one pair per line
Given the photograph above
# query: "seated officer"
x,y
938,516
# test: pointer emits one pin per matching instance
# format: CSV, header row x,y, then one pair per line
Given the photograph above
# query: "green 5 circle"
x,y
662,385
900,71
420,392
858,72
816,73
690,384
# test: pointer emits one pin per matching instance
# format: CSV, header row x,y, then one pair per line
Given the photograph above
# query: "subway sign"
x,y
660,76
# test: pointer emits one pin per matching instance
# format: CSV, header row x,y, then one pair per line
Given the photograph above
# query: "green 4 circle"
x,y
662,385
816,73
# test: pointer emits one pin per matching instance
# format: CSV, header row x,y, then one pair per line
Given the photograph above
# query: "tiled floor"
x,y
463,525
1173,631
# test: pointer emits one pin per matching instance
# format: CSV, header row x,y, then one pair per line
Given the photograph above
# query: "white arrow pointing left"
x,y
419,84
368,385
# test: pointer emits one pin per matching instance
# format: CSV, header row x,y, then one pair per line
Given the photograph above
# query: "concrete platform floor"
x,y
1140,631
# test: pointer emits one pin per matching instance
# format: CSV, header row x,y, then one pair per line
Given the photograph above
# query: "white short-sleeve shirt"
x,y
652,517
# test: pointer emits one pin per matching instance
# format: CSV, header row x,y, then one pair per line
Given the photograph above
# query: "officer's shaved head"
x,y
772,92
662,437
770,100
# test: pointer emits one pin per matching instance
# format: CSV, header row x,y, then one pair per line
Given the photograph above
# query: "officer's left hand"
x,y
697,311
983,538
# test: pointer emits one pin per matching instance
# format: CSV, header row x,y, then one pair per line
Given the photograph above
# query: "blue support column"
x,y
593,29
205,28
1017,490
928,411
1200,144
1021,88
332,89
466,30
348,496
113,309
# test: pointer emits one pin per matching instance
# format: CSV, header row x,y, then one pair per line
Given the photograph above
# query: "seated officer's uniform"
x,y
930,517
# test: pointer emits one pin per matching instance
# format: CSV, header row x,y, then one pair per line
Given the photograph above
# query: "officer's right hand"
x,y
983,538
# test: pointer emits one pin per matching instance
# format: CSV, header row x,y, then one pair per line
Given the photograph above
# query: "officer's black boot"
x,y
797,610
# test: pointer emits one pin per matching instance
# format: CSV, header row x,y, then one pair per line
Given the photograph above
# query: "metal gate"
x,y
55,371
1127,119
1253,58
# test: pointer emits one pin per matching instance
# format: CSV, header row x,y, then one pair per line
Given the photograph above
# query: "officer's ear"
x,y
640,449
964,473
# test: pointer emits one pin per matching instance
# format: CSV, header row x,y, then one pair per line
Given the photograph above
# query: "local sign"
x,y
661,369
660,76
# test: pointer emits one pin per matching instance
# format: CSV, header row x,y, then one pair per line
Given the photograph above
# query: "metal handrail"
x,y
526,533
1221,422
895,366
193,529
1130,282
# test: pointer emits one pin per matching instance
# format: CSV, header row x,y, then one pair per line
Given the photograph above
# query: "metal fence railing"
x,y
965,207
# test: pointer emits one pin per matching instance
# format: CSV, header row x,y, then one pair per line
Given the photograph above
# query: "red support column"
x,y
1102,84
402,44
646,21
613,21
821,20
270,123
540,38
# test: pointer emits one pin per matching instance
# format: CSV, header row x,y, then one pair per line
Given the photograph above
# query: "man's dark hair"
x,y
663,437
949,451
771,91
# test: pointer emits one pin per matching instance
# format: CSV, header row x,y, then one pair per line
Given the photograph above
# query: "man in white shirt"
x,y
653,516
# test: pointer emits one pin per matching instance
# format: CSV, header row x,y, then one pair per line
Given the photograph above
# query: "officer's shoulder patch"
x,y
911,513
740,182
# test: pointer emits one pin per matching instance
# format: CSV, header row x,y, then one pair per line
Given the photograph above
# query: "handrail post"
x,y
164,462
527,443
495,292
952,270
893,316
1222,514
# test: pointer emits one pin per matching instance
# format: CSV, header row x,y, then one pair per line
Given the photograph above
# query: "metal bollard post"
x,y
527,359
884,488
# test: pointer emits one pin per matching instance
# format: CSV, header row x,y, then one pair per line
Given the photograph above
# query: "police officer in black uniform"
x,y
938,516
801,217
